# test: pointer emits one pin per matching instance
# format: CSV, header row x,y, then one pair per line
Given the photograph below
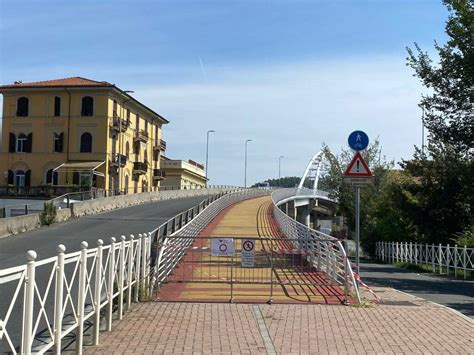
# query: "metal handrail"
x,y
331,255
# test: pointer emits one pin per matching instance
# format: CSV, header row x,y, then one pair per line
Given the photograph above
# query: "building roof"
x,y
75,81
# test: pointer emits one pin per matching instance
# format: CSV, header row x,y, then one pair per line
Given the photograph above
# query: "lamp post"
x,y
121,141
245,172
279,167
207,152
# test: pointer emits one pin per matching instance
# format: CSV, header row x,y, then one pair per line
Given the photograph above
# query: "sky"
x,y
289,75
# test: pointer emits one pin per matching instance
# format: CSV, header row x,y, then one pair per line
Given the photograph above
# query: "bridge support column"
x,y
303,215
291,209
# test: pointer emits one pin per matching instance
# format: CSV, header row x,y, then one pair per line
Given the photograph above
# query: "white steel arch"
x,y
316,167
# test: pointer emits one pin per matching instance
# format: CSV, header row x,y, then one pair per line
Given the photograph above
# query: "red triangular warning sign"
x,y
357,167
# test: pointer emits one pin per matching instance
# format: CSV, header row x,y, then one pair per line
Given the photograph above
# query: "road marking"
x,y
262,327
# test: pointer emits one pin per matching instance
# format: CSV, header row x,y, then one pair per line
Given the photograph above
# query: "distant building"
x,y
77,131
182,174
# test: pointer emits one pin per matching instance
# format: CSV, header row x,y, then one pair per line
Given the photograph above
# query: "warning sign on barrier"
x,y
248,253
222,247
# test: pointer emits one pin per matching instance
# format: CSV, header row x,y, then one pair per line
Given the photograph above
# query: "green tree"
x,y
289,181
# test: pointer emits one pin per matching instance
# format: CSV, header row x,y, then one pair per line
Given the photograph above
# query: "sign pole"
x,y
357,228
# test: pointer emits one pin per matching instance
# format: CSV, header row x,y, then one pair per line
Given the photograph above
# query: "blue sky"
x,y
287,74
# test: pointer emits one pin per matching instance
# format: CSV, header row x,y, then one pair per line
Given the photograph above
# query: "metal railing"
x,y
54,298
330,254
438,258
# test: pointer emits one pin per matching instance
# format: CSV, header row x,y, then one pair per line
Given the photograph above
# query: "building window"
x,y
146,126
86,143
21,143
22,107
57,106
145,156
51,177
128,116
138,122
20,178
58,142
115,108
87,106
127,150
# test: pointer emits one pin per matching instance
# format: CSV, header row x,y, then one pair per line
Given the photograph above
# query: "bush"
x,y
48,216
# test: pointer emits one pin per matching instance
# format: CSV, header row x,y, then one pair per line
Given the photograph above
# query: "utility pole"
x,y
279,168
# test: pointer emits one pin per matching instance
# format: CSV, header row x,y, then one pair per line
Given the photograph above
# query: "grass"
x,y
429,268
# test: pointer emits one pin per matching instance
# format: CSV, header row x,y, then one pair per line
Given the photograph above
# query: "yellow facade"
x,y
125,136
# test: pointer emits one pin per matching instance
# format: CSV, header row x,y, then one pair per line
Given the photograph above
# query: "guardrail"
x,y
285,195
167,258
55,297
439,258
330,254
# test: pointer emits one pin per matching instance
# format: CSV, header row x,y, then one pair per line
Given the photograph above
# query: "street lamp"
x,y
245,174
279,167
207,152
121,141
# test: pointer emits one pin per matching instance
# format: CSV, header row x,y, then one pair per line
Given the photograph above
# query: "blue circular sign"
x,y
358,140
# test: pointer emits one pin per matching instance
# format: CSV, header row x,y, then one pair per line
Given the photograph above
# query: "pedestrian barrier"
x,y
62,296
332,256
438,258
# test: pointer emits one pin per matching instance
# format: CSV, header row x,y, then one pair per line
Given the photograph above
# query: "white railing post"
x,y
416,253
448,258
81,296
440,256
97,291
121,276
130,272
58,300
397,252
144,286
27,338
464,261
138,268
110,284
456,255
411,252
426,254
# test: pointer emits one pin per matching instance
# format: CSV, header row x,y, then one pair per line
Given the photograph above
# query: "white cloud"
x,y
287,110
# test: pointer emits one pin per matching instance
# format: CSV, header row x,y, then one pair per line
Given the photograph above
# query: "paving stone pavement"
x,y
400,324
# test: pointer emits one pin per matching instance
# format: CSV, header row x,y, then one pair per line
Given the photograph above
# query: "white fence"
x,y
55,299
330,254
439,258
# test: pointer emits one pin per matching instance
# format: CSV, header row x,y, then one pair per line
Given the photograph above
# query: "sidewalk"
x,y
402,324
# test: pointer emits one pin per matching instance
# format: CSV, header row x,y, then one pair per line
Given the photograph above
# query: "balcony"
x,y
118,159
119,125
141,136
159,174
140,168
160,145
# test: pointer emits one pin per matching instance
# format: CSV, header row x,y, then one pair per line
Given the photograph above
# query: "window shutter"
x,y
10,177
28,178
75,178
29,143
49,176
12,143
61,142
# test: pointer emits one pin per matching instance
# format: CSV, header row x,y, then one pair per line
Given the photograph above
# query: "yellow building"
x,y
182,174
77,131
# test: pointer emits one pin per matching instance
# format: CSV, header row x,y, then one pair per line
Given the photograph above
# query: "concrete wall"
x,y
84,208
20,224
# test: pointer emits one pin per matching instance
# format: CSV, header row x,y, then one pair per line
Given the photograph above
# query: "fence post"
x,y
130,272
411,252
97,290
416,253
448,257
110,284
397,251
426,254
81,296
58,302
456,254
144,264
464,261
29,302
440,256
121,276
138,268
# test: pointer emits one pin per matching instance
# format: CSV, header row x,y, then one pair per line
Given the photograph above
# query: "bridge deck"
x,y
201,278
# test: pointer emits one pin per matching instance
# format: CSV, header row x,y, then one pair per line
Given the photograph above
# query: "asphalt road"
x,y
125,221
455,293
